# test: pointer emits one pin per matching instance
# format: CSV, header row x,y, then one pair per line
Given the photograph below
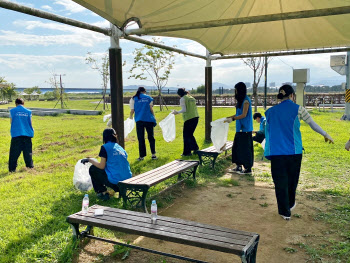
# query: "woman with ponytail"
x,y
284,147
142,105
242,149
190,117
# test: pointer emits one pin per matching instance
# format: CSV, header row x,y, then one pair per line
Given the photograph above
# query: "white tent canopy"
x,y
290,34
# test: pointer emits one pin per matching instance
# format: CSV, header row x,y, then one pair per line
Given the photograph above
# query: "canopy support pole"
x,y
346,115
208,98
116,83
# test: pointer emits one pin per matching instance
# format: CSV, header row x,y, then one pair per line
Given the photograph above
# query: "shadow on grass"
x,y
43,233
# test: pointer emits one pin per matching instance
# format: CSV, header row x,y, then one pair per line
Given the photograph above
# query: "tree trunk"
x,y
255,93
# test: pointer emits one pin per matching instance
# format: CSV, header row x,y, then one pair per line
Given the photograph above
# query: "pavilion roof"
x,y
290,34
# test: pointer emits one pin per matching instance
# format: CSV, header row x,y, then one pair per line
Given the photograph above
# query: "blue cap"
x,y
86,195
153,201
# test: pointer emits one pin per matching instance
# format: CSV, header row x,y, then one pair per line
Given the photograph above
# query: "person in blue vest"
x,y
22,133
142,105
112,168
284,147
242,149
260,134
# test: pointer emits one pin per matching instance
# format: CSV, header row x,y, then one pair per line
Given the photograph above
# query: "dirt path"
x,y
251,206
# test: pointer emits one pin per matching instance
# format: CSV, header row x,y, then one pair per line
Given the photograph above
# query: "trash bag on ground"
x,y
168,128
129,125
219,132
81,177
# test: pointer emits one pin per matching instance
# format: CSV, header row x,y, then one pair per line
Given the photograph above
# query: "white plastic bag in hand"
x,y
168,128
129,125
81,177
108,117
263,144
219,131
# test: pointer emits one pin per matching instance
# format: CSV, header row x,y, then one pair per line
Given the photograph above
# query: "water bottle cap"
x,y
86,195
154,201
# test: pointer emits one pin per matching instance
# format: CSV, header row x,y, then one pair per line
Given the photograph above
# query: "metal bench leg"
x,y
250,255
76,233
207,158
134,195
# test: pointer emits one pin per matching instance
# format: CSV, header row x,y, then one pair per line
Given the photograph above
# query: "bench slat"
x,y
162,231
161,173
156,170
180,228
177,220
162,177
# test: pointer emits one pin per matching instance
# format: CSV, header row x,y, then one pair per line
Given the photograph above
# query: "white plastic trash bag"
x,y
81,177
219,132
168,128
108,117
129,125
263,144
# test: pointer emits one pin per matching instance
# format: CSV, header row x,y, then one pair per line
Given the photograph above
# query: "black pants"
x,y
100,181
259,137
140,130
242,150
285,172
20,144
190,143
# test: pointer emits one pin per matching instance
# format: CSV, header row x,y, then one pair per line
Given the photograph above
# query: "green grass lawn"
x,y
35,203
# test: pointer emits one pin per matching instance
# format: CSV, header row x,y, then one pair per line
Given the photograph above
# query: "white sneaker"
x,y
285,217
295,204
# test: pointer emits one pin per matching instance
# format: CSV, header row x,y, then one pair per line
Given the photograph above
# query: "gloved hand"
x,y
328,138
229,119
347,145
84,161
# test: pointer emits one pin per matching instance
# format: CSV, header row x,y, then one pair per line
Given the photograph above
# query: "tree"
x,y
58,92
7,90
256,64
102,66
32,90
200,89
153,64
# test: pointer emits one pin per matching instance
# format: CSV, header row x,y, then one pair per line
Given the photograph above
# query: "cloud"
x,y
46,7
70,6
86,39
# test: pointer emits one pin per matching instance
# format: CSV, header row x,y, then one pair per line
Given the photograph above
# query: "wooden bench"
x,y
209,155
243,244
134,190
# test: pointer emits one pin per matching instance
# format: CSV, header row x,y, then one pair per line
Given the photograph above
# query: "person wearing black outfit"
x,y
22,133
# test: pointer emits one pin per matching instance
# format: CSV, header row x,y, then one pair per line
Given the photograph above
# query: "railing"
x,y
271,99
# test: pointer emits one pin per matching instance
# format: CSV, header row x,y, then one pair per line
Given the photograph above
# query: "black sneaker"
x,y
103,196
236,170
154,157
246,171
189,154
139,159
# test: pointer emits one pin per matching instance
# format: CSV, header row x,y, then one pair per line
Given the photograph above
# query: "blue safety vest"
x,y
262,124
142,108
282,131
245,124
117,165
21,122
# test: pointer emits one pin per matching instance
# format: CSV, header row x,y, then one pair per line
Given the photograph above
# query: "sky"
x,y
33,49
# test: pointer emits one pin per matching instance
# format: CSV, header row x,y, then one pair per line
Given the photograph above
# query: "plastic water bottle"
x,y
154,212
85,206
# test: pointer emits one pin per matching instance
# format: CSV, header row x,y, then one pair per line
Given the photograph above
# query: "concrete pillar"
x,y
300,77
208,98
116,83
300,94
